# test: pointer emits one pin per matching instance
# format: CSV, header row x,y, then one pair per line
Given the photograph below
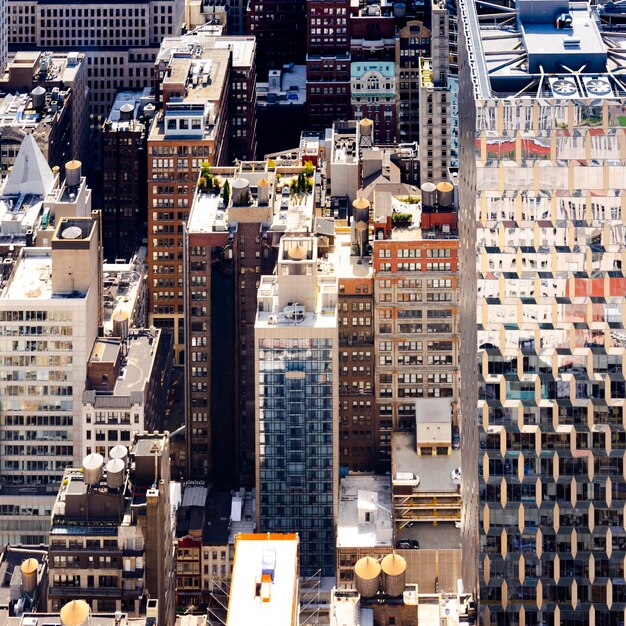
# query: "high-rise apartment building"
x,y
229,244
541,187
192,87
120,40
296,359
124,170
111,533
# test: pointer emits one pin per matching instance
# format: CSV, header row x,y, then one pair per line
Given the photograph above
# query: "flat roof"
x,y
245,606
31,278
207,209
356,492
243,49
434,472
343,263
513,44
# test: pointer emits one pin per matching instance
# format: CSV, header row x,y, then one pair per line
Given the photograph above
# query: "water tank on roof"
x,y
75,613
241,191
429,195
361,210
365,127
119,452
93,465
29,575
73,173
126,112
399,9
120,323
38,96
115,473
263,192
445,194
394,575
367,576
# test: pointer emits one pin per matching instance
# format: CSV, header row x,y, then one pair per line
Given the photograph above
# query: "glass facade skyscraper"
x,y
542,188
297,408
296,416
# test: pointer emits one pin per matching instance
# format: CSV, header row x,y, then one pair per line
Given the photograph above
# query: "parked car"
x,y
408,544
456,438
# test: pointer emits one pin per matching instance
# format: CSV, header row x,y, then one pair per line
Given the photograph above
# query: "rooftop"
x,y
243,49
285,87
342,262
32,276
96,619
123,117
434,472
364,519
123,286
47,67
258,599
136,366
514,46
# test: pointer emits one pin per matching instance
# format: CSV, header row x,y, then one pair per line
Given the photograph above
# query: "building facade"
x,y
121,545
541,186
297,429
124,170
192,88
327,62
120,41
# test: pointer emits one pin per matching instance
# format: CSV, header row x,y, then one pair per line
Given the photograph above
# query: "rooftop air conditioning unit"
x,y
564,87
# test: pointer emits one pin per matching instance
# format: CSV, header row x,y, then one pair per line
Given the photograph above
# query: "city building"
x,y
23,579
124,285
365,522
373,96
412,43
190,523
279,27
50,310
192,87
124,171
358,429
327,62
111,539
435,99
243,91
120,41
128,377
373,29
281,102
80,611
231,240
296,361
47,96
541,182
349,608
416,301
265,581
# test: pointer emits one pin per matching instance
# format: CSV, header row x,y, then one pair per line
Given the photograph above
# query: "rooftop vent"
x,y
564,87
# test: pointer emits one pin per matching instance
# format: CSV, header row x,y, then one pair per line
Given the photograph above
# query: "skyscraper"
x,y
297,428
542,183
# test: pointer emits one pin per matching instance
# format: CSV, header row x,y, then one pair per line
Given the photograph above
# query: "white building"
x,y
49,316
265,583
